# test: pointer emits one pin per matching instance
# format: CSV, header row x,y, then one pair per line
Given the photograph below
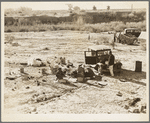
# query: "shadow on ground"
x,y
91,84
130,76
69,84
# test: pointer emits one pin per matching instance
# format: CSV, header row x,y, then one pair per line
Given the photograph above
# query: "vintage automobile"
x,y
129,36
132,31
99,54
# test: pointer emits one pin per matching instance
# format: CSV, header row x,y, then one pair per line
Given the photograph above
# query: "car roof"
x,y
99,47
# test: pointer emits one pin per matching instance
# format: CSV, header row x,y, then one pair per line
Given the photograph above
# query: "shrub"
x,y
78,25
8,30
15,44
23,30
98,31
9,38
46,48
102,40
42,30
80,21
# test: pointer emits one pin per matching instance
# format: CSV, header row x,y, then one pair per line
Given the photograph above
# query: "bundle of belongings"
x,y
87,72
103,67
36,62
117,65
62,69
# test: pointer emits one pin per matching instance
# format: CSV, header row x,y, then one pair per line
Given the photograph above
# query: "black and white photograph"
x,y
75,61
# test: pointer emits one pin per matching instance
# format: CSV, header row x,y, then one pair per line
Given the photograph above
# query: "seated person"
x,y
69,64
89,73
81,71
60,74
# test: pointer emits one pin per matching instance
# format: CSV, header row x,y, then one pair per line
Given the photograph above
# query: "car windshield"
x,y
99,53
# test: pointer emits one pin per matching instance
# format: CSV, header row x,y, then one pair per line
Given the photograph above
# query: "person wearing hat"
x,y
59,74
111,60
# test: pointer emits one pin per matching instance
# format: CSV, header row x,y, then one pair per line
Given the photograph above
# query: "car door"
x,y
90,57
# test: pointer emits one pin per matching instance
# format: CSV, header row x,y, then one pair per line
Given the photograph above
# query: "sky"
x,y
83,5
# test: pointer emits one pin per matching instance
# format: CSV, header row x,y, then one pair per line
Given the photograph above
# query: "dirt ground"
x,y
23,96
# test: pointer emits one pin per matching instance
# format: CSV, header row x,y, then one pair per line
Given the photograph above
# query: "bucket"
x,y
138,66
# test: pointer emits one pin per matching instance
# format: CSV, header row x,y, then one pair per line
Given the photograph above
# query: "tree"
x,y
94,8
76,8
70,7
108,7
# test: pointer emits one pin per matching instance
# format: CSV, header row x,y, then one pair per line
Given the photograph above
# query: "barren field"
x,y
23,96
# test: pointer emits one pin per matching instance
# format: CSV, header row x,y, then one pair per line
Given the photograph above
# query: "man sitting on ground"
x,y
59,74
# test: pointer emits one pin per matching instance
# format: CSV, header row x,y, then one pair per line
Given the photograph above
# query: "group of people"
x,y
60,67
83,71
